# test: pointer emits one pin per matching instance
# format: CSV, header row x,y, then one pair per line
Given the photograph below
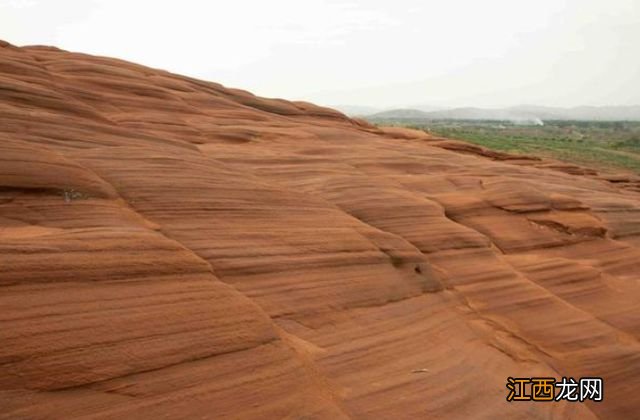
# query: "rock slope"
x,y
170,248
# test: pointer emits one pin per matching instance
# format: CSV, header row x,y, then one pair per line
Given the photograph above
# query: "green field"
x,y
604,145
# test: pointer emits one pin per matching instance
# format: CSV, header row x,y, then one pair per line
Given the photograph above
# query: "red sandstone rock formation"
x,y
170,248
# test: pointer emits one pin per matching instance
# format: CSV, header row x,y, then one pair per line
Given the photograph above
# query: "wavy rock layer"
x,y
173,248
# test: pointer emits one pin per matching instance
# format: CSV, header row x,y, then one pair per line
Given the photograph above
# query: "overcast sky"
x,y
367,52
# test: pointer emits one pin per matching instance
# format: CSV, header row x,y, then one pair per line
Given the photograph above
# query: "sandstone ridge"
x,y
171,248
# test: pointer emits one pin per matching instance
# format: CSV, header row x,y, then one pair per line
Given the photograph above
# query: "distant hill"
x,y
365,111
357,110
524,113
407,113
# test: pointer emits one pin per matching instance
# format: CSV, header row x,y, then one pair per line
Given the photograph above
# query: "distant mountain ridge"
x,y
402,113
516,113
356,110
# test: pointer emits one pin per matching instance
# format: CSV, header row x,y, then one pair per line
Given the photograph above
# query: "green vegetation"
x,y
600,144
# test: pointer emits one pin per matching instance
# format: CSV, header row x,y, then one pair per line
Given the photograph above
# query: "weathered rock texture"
x,y
170,248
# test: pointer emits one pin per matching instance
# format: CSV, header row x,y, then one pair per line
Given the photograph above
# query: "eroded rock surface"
x,y
170,248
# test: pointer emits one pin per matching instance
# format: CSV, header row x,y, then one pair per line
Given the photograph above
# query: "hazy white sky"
x,y
366,52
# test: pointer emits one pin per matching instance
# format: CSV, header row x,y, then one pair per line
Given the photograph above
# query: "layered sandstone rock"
x,y
173,248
